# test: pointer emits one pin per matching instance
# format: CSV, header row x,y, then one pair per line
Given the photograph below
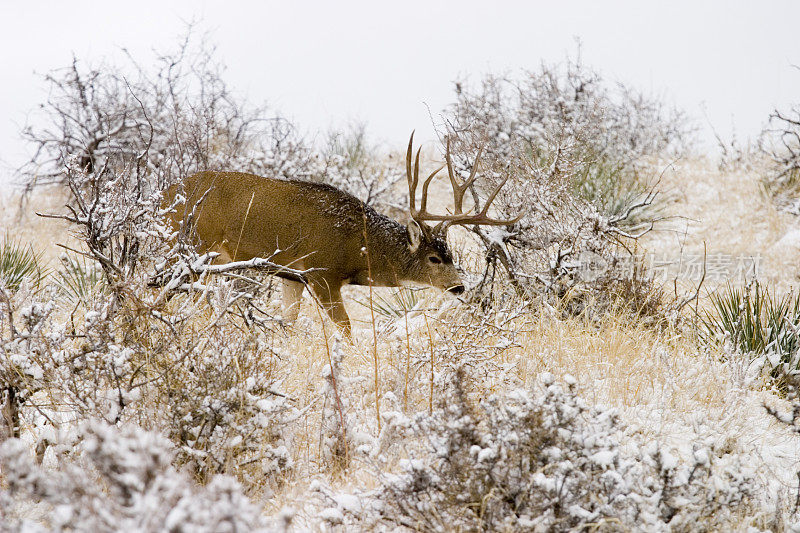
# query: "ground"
x,y
665,385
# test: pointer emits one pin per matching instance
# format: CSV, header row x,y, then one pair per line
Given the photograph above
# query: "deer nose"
x,y
456,289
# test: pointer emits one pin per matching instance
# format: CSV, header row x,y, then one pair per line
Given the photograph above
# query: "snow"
x,y
790,241
332,516
604,458
348,502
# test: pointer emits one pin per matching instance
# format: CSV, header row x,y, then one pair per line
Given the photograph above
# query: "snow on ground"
x,y
662,383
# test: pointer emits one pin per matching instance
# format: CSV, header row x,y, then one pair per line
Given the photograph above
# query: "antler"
x,y
458,217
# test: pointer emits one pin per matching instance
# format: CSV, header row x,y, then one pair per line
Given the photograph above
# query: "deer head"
x,y
429,244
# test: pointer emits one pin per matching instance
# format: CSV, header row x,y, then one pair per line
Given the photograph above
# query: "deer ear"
x,y
414,232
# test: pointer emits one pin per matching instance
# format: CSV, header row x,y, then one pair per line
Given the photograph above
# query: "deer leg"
x,y
292,297
224,254
330,297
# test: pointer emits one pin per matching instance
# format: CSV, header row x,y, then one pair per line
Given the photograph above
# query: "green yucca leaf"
x,y
79,279
18,263
396,305
756,322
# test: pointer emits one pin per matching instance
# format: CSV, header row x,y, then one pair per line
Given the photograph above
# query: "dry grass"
x,y
661,381
731,214
20,220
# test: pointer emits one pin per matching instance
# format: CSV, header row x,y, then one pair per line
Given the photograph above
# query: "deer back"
x,y
313,225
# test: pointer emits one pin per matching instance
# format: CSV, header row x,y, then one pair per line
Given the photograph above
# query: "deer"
x,y
338,238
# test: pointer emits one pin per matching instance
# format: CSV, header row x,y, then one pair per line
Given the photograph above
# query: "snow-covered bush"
x,y
172,120
564,251
568,110
109,478
547,461
573,153
219,402
202,383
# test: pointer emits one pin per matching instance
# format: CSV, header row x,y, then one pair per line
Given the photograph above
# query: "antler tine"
x,y
458,217
412,182
412,173
423,208
458,198
473,175
460,188
458,192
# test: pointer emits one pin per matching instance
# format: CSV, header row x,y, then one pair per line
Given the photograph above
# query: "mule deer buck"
x,y
316,226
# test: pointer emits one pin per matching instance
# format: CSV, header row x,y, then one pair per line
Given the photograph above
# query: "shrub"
x,y
565,114
218,401
185,370
116,479
549,462
573,154
159,124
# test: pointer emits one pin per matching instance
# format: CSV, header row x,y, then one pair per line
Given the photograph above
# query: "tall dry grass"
x,y
663,381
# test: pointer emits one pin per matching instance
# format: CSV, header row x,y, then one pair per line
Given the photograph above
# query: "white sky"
x,y
326,63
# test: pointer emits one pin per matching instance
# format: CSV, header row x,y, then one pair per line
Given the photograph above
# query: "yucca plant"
x,y
19,262
79,279
396,305
756,322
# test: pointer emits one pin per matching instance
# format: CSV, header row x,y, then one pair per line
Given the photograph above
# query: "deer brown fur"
x,y
317,226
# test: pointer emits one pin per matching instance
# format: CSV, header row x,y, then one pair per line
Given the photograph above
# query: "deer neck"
x,y
388,261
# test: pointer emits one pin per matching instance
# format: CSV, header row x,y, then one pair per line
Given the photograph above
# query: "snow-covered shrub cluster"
x,y
174,119
188,373
566,108
108,478
568,111
547,461
564,251
573,152
221,404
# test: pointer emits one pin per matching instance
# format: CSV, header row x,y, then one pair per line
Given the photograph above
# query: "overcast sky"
x,y
387,63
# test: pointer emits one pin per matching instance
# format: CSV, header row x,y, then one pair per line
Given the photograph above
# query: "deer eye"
x,y
435,260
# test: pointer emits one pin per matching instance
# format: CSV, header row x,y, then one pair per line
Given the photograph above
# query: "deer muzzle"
x,y
456,289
